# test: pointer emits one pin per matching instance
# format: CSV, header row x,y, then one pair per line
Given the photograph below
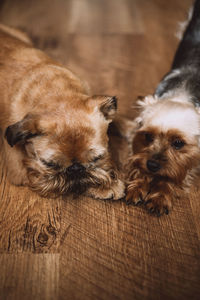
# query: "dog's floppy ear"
x,y
107,105
22,130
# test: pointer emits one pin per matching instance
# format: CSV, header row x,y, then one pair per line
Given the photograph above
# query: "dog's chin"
x,y
53,185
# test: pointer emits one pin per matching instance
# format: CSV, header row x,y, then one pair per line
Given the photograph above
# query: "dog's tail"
x,y
188,52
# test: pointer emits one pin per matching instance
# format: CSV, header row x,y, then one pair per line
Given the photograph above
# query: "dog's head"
x,y
66,148
166,142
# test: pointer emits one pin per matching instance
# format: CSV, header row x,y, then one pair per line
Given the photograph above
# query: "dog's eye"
x,y
178,144
148,137
50,164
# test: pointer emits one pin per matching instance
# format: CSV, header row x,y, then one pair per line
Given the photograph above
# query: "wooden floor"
x,y
81,248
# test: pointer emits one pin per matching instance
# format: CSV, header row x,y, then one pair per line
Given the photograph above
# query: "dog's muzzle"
x,y
77,176
76,171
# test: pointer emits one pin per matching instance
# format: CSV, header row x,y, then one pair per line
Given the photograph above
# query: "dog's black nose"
x,y
153,165
76,168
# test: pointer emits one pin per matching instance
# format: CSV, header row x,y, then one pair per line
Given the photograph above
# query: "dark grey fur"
x,y
185,72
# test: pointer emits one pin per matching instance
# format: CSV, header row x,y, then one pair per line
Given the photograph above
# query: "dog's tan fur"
x,y
167,135
50,121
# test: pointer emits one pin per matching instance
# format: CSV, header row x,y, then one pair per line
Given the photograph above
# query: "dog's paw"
x,y
136,192
118,189
115,192
158,204
134,197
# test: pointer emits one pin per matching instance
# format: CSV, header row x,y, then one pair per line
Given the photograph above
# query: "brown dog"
x,y
165,153
55,133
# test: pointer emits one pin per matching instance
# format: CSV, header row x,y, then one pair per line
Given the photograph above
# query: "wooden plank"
x,y
85,17
122,252
78,248
88,16
26,276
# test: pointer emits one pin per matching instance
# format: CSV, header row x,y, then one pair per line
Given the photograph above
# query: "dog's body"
x,y
55,133
184,78
166,154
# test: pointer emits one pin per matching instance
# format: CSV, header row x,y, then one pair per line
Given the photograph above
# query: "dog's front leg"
x,y
137,188
115,191
159,199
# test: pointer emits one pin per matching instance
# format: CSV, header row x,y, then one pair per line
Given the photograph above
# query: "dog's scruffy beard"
x,y
53,183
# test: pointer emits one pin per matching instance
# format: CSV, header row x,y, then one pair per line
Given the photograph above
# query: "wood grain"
x,y
78,248
27,276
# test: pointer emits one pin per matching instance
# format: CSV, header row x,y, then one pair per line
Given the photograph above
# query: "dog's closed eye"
x,y
50,164
97,158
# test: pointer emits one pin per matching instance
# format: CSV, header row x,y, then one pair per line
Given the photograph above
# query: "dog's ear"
x,y
147,100
22,130
107,105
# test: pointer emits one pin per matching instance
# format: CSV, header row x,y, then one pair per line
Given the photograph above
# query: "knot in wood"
x,y
42,238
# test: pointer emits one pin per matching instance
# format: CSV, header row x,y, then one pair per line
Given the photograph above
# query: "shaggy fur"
x,y
55,133
166,154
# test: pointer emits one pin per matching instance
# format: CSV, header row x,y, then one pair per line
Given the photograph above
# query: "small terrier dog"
x,y
55,133
166,142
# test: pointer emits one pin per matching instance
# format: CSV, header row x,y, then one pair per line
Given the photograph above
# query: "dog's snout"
x,y
153,165
76,168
